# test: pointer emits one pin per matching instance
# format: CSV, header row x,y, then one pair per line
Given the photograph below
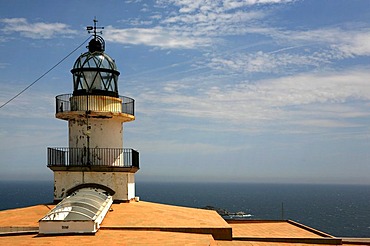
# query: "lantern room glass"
x,y
95,73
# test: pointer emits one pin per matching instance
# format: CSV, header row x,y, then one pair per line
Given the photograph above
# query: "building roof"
x,y
146,223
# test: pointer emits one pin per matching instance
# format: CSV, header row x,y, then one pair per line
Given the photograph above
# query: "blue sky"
x,y
226,91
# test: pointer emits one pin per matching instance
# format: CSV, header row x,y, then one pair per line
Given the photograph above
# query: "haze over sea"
x,y
340,210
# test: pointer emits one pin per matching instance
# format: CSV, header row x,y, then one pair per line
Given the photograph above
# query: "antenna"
x,y
92,29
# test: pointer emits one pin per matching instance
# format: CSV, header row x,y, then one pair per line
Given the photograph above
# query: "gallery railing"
x,y
113,157
68,102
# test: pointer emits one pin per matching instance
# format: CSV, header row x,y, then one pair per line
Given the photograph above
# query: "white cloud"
x,y
195,24
326,123
189,6
200,23
139,22
335,99
227,18
265,62
156,17
185,28
213,23
347,43
173,146
38,30
305,50
212,19
158,36
29,105
3,65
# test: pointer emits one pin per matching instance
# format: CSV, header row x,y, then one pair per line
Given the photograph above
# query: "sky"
x,y
261,91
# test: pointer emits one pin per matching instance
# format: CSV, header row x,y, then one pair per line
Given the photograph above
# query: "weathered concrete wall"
x,y
121,182
103,130
131,186
104,133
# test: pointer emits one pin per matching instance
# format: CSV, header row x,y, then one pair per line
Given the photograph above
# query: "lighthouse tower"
x,y
95,113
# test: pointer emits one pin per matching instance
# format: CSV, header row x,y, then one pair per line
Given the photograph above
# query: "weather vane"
x,y
92,29
97,43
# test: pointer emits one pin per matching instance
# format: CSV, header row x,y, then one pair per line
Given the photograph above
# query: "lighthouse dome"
x,y
95,73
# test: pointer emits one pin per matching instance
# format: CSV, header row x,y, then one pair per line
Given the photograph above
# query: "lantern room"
x,y
95,72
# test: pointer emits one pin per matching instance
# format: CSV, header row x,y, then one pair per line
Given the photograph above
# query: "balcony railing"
x,y
84,157
68,102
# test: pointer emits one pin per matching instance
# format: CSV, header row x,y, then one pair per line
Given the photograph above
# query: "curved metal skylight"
x,y
81,212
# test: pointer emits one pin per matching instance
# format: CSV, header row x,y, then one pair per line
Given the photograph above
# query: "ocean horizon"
x,y
340,210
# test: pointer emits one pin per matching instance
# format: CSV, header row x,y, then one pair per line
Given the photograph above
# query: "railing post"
x,y
135,158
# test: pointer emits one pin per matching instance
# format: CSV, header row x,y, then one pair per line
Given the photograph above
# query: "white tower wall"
x,y
103,133
123,183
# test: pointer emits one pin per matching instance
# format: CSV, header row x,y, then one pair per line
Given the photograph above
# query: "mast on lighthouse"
x,y
95,113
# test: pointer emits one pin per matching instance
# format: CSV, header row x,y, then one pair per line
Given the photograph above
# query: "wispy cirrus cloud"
x,y
205,24
158,37
309,49
345,41
189,6
265,62
3,65
37,30
34,104
303,94
334,99
192,24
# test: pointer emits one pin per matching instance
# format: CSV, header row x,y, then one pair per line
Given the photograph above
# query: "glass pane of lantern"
x,y
92,80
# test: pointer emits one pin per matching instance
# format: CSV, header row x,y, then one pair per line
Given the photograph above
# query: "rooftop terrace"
x,y
145,223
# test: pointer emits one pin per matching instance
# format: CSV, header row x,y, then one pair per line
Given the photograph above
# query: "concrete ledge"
x,y
15,230
279,231
356,241
67,115
217,233
327,241
310,229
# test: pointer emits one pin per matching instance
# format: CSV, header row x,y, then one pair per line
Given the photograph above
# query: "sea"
x,y
340,210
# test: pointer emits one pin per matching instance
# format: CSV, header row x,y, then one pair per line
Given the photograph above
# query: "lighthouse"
x,y
95,113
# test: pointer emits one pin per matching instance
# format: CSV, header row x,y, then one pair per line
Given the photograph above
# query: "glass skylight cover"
x,y
81,212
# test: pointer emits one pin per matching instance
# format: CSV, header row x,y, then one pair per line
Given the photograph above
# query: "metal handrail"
x,y
79,157
64,103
